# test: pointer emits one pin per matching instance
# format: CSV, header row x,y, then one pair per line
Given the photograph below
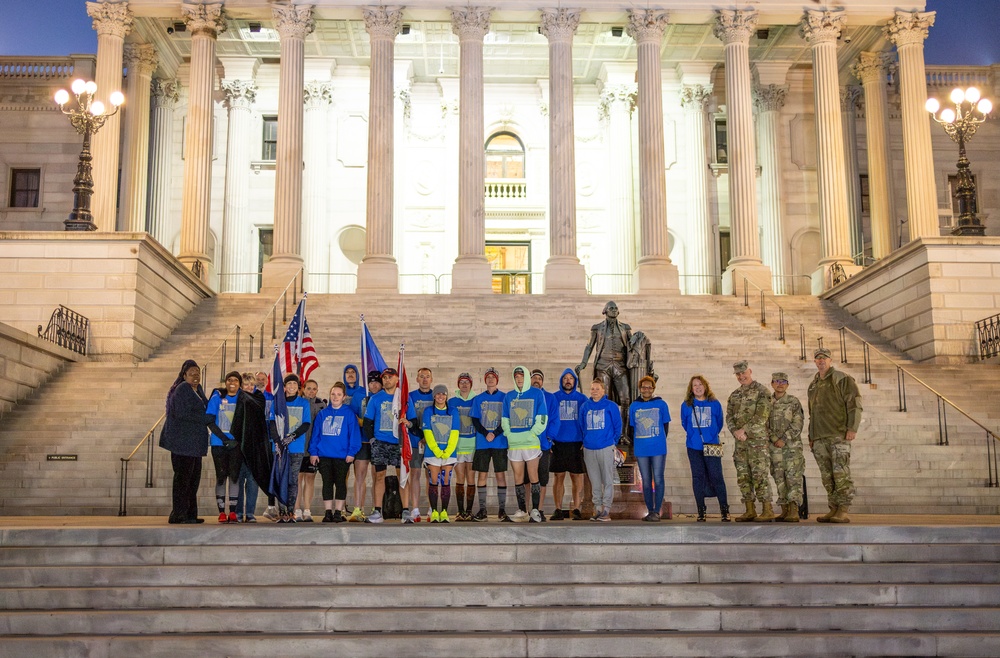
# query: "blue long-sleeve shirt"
x,y
223,408
335,433
703,422
601,423
487,409
648,420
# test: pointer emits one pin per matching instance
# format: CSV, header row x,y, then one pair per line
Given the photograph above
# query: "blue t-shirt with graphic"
x,y
647,419
379,411
487,408
223,409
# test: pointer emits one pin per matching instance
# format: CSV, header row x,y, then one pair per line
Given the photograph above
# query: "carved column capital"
x,y
240,94
293,21
112,18
647,24
383,22
696,97
317,94
908,27
822,25
140,57
471,23
560,24
735,25
625,94
850,97
204,18
873,67
164,92
769,98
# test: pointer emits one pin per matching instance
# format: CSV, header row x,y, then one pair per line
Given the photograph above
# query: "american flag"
x,y
297,352
399,402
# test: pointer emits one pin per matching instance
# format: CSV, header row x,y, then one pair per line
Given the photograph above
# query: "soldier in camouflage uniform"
x,y
785,436
834,418
747,413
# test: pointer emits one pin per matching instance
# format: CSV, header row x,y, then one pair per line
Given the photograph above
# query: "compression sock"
x,y
502,497
460,492
535,491
445,496
482,498
220,496
519,490
432,493
470,498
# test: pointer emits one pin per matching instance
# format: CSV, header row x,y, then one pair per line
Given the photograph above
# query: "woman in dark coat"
x,y
185,435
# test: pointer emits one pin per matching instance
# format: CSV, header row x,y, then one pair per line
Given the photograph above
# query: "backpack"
x,y
392,504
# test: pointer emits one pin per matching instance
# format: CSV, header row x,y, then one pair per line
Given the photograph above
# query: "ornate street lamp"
x,y
87,118
961,124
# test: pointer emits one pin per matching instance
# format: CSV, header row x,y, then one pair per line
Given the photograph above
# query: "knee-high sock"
x,y
220,496
234,492
432,493
470,497
445,496
502,497
460,492
535,491
519,490
482,498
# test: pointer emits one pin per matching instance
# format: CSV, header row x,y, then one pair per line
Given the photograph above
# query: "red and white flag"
x,y
400,400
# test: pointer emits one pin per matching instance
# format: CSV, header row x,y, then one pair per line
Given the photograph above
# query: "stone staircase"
x,y
567,589
99,411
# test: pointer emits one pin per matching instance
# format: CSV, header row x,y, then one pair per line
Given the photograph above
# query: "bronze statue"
x,y
610,339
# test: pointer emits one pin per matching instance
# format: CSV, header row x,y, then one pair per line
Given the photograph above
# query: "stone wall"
x,y
131,289
27,362
927,296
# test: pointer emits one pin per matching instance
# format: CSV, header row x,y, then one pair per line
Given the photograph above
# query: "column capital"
x,y
560,24
240,94
695,97
735,25
822,25
908,27
625,94
317,94
293,21
204,18
769,98
645,25
471,23
872,67
112,18
164,92
140,57
850,96
383,22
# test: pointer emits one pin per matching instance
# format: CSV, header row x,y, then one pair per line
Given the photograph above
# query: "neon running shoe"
x,y
435,517
444,516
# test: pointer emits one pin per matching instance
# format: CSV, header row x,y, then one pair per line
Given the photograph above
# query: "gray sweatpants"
x,y
601,470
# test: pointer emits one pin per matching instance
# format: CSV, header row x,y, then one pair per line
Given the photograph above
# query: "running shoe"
x,y
542,514
223,517
503,518
520,516
271,513
233,518
374,517
415,515
338,517
250,518
558,515
605,515
328,517
576,516
435,517
298,515
481,515
307,516
357,516
535,516
444,516
407,517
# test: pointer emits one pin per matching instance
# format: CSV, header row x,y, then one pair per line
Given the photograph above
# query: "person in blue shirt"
x,y
336,439
491,444
649,424
551,430
601,423
525,413
441,428
381,427
703,420
356,392
419,401
465,479
295,439
226,453
364,456
567,447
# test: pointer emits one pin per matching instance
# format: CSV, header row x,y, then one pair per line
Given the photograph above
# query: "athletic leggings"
x,y
334,472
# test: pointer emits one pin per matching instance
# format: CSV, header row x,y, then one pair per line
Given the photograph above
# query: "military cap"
x,y
779,376
740,366
822,353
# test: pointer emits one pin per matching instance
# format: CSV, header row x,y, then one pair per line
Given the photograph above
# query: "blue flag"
x,y
280,472
371,358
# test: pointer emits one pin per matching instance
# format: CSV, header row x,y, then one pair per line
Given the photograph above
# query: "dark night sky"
x,y
961,35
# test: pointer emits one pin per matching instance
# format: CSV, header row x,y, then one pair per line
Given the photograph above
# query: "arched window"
x,y
504,156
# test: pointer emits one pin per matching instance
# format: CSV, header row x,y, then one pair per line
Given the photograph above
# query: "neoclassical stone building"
x,y
517,148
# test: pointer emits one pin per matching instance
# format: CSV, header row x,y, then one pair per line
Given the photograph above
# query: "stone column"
x,y
821,29
617,105
872,69
471,272
701,244
315,231
237,233
378,269
849,97
141,60
654,270
205,22
163,93
563,271
768,100
733,28
293,24
907,31
112,22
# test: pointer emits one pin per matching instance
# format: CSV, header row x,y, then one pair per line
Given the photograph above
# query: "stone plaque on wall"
x,y
352,140
802,138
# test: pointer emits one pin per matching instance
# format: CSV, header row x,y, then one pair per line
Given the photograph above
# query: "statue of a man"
x,y
610,339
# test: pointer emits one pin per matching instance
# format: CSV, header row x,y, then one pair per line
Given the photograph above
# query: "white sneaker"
x,y
415,515
374,517
407,517
271,513
307,516
536,516
520,516
298,516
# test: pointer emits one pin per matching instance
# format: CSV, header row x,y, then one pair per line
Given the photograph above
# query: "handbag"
x,y
709,449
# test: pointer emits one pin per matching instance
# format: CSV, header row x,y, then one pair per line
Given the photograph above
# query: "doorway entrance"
x,y
511,264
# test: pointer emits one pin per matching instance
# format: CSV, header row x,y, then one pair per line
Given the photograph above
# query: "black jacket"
x,y
184,430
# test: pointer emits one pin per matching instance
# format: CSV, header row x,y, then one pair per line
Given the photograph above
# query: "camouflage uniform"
x,y
787,463
748,409
834,409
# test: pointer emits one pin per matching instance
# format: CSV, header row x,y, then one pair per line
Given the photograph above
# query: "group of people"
x,y
455,439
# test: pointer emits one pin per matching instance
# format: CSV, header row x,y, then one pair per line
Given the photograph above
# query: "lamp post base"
x,y
976,229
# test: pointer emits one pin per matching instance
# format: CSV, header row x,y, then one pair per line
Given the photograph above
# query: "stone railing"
x,y
36,68
505,188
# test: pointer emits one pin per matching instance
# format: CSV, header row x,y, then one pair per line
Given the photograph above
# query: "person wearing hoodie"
x,y
465,479
226,454
184,434
364,457
649,424
441,428
524,418
551,430
420,400
601,423
491,444
567,447
355,389
299,421
336,439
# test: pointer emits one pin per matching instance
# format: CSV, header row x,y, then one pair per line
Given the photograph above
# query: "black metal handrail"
x,y
942,402
68,329
763,305
296,285
988,336
147,439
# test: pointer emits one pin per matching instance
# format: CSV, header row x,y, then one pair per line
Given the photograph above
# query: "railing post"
x,y
260,333
250,353
763,311
942,422
901,387
222,366
991,448
149,459
284,307
123,489
866,354
781,324
802,342
237,344
746,294
843,345
274,326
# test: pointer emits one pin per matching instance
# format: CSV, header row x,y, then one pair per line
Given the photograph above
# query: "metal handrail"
x,y
296,285
793,278
942,401
123,484
763,305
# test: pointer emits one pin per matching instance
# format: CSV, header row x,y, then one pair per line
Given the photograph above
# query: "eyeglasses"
x,y
779,381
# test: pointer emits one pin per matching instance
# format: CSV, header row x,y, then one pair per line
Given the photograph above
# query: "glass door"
x,y
511,264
